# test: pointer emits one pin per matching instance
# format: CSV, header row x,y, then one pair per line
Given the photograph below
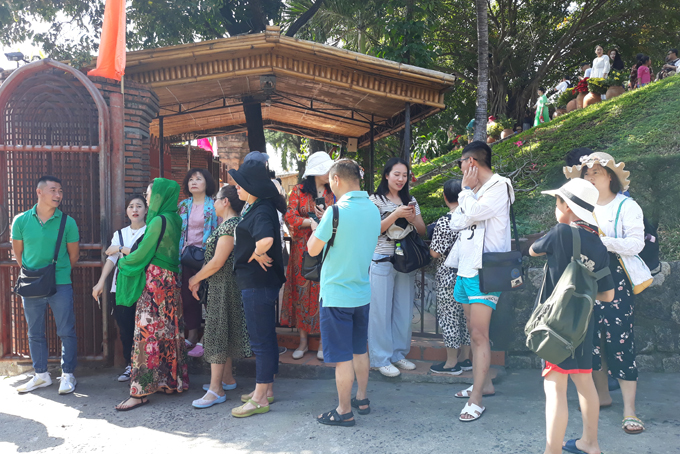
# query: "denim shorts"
x,y
467,291
344,332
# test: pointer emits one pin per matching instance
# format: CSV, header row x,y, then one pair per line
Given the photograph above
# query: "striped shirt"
x,y
385,245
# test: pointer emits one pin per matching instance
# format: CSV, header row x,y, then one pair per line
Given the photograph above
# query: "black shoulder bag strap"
x,y
336,218
160,237
60,236
120,237
512,217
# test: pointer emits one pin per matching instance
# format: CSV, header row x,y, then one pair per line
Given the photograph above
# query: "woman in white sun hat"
x,y
306,205
622,231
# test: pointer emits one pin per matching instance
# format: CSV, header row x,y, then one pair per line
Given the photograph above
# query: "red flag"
x,y
111,59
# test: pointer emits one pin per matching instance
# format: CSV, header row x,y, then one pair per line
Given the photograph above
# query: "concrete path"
x,y
406,418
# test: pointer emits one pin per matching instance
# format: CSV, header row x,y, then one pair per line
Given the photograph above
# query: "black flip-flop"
x,y
143,402
360,403
333,418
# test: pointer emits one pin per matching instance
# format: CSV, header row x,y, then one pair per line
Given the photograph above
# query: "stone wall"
x,y
657,320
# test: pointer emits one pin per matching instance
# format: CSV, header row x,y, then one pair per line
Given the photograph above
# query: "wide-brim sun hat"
x,y
580,196
318,164
605,160
253,176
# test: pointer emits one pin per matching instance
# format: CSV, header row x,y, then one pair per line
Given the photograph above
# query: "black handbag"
x,y
42,282
193,257
311,266
415,253
502,271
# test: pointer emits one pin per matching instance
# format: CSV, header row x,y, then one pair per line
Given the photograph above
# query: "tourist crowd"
x,y
215,263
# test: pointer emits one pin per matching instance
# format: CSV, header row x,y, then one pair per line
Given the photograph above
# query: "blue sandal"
x,y
570,446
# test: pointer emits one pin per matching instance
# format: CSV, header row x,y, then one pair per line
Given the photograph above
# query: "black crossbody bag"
x,y
502,271
42,282
311,266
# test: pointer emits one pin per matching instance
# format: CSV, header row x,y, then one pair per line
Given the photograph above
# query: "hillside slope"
x,y
641,128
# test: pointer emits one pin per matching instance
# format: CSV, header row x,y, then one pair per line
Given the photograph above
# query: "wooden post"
x,y
253,112
371,160
161,146
406,151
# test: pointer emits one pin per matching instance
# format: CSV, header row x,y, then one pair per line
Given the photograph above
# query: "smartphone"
x,y
412,204
320,201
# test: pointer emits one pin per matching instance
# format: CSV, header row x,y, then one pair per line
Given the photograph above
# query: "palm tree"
x,y
483,70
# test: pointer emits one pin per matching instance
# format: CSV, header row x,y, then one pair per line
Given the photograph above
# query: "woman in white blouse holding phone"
x,y
121,243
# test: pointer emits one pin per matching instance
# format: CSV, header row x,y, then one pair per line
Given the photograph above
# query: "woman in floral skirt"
x,y
300,307
148,275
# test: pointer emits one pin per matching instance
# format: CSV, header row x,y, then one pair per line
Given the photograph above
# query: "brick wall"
x,y
180,164
141,107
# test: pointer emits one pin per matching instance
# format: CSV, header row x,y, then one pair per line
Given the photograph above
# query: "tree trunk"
x,y
483,70
253,112
316,145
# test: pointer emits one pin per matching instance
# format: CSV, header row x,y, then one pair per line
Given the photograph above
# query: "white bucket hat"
x,y
318,163
605,160
580,196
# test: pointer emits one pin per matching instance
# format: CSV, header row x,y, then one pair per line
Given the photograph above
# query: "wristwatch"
x,y
468,188
120,249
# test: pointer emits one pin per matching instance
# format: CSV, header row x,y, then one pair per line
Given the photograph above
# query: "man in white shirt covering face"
x,y
483,219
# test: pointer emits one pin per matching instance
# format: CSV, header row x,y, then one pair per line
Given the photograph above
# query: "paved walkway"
x,y
406,418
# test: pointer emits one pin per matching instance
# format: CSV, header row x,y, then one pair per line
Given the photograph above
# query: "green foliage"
x,y
564,98
505,122
597,85
494,129
632,127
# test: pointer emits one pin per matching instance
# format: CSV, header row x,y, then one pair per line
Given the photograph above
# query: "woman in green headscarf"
x,y
148,276
542,112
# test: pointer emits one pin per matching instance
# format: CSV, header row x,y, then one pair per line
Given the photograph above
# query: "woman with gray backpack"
x,y
622,231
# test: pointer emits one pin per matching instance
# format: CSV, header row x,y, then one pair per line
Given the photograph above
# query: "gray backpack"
x,y
559,325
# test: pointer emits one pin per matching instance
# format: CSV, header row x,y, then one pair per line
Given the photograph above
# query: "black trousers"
x,y
125,319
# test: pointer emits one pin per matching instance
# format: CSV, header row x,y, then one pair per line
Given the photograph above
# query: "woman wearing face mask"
x,y
392,292
300,307
225,336
121,243
198,222
258,264
622,231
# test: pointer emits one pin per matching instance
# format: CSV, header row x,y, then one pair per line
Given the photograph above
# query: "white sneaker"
x,y
405,364
125,376
68,383
37,381
389,371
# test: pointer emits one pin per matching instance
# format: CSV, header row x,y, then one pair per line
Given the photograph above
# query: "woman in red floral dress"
x,y
300,307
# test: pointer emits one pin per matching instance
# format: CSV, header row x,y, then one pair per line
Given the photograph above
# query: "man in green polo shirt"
x,y
346,289
34,237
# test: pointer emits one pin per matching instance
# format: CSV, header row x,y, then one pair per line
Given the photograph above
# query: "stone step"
x,y
422,349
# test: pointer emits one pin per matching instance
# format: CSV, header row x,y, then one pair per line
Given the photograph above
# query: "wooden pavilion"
x,y
56,120
250,82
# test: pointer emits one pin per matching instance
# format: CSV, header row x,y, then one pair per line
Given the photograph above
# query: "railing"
x,y
424,322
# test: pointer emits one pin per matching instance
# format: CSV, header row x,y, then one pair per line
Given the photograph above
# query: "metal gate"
x,y
53,121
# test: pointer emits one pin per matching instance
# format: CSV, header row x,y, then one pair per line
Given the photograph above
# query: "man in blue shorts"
x,y
345,288
483,217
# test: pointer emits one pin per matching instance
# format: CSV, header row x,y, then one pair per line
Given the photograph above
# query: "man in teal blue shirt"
x,y
34,237
345,288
